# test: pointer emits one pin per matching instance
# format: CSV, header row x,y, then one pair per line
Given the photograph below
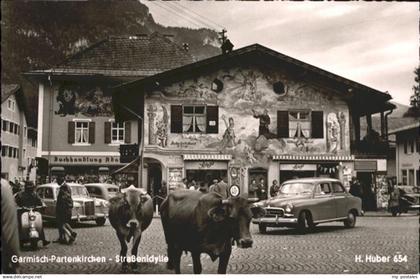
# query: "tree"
x,y
414,110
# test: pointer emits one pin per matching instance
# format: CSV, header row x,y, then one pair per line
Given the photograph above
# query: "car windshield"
x,y
296,188
79,191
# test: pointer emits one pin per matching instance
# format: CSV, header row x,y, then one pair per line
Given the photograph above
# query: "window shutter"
x,y
70,135
212,126
127,132
282,124
317,125
91,132
107,131
176,119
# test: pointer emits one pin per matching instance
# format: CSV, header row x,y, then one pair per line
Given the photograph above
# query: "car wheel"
x,y
100,221
262,228
350,222
304,222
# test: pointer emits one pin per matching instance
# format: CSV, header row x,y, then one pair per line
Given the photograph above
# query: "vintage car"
x,y
304,203
85,208
102,190
409,198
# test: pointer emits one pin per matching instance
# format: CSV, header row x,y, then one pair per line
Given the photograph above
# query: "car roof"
x,y
55,185
312,180
106,185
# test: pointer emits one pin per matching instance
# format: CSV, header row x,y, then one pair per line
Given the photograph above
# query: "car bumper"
x,y
276,221
89,217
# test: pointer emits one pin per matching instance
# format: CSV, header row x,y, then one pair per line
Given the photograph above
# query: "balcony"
x,y
372,145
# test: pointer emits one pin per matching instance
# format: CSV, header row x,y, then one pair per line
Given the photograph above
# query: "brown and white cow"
x,y
130,214
205,223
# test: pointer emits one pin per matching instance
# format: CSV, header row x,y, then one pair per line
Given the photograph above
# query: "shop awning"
x,y
313,158
129,168
207,157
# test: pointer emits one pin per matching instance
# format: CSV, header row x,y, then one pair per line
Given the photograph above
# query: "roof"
x,y
313,180
8,90
405,127
371,99
139,56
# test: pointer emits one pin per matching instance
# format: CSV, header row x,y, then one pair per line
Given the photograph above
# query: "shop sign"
x,y
298,167
369,166
206,165
85,160
174,177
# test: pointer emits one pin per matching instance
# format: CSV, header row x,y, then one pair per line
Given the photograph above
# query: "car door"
x,y
324,203
340,197
49,201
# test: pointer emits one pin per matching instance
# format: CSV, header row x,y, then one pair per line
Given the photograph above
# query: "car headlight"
x,y
98,203
76,205
288,208
105,203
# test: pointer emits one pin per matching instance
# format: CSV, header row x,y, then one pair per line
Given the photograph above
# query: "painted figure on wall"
x,y
229,138
264,123
342,121
162,129
151,113
333,132
66,100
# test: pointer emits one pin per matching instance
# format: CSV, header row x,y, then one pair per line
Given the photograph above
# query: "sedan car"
x,y
85,208
304,203
409,198
102,190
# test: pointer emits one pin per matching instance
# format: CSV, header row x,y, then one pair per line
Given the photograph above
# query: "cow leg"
x,y
224,259
196,262
177,260
170,264
123,252
134,249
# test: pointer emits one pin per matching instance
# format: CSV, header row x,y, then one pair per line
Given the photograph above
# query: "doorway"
x,y
154,179
368,183
259,175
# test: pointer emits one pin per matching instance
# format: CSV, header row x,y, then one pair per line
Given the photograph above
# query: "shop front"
x,y
84,169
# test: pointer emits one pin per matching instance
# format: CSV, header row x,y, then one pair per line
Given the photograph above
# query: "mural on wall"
x,y
162,128
151,113
248,105
83,100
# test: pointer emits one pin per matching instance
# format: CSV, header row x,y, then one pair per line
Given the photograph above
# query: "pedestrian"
x,y
221,188
213,185
9,231
163,192
394,201
192,185
274,189
63,213
183,184
30,199
355,187
203,188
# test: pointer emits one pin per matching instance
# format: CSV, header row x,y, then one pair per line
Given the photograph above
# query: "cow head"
x,y
236,213
135,198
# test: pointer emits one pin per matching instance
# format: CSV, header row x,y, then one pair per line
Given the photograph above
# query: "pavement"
x,y
330,248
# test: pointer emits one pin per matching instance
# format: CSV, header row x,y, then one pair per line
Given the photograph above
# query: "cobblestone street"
x,y
329,249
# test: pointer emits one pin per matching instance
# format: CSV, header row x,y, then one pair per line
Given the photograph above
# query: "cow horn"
x,y
225,201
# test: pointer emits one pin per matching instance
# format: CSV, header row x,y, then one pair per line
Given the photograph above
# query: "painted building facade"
x,y
18,141
245,116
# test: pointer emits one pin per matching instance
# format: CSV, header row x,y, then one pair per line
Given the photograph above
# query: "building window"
x,y
404,177
411,177
194,119
299,124
25,132
418,177
11,127
81,132
4,125
412,146
11,105
4,149
117,132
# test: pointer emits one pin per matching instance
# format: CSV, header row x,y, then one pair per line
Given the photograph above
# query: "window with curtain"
x,y
194,119
299,124
82,132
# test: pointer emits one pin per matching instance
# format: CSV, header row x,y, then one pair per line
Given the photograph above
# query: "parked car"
x,y
409,198
102,190
304,203
85,208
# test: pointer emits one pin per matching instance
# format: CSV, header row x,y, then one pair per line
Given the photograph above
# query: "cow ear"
x,y
217,213
257,212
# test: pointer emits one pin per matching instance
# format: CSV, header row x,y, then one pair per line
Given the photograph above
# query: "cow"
x,y
130,214
198,223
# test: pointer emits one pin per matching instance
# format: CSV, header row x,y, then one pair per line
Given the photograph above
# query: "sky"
x,y
376,44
